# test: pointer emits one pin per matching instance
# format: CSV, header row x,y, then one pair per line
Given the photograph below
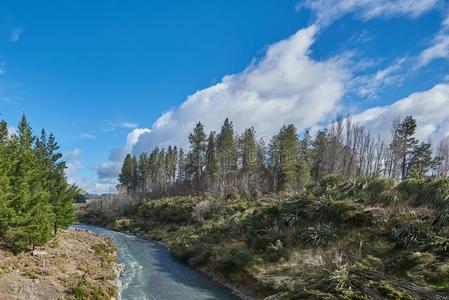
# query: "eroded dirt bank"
x,y
77,264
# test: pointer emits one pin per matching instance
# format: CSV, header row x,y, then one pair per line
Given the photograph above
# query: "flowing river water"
x,y
150,272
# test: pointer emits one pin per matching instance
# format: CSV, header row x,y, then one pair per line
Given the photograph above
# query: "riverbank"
x,y
357,239
75,265
237,291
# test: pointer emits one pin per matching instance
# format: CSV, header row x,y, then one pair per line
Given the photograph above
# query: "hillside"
x,y
368,238
75,265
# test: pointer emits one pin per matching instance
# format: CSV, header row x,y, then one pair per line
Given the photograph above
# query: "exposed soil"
x,y
77,264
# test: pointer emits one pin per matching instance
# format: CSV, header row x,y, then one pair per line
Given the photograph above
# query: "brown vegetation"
x,y
75,265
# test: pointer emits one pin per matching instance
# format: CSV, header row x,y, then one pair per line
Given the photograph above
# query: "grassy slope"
x,y
366,239
77,265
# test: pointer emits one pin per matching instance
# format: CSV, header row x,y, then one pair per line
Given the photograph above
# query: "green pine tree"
x,y
406,133
211,156
304,170
226,148
126,176
250,158
197,140
288,148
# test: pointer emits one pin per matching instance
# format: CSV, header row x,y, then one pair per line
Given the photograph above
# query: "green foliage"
x,y
378,185
226,148
322,235
35,198
288,149
333,242
249,159
331,181
410,232
234,258
211,156
439,245
128,176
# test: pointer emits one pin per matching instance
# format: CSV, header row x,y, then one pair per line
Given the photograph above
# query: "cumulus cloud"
x,y
285,86
109,169
429,108
327,11
80,174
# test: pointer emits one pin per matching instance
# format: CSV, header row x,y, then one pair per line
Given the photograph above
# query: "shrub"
x,y
235,258
378,185
436,193
322,235
331,181
410,233
439,245
320,207
275,251
201,211
441,218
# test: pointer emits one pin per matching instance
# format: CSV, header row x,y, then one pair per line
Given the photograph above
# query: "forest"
x,y
35,197
227,163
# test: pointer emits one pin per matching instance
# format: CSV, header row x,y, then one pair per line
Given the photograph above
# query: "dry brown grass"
x,y
76,265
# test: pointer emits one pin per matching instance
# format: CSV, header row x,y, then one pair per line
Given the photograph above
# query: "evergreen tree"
x,y
197,140
31,216
406,132
318,155
421,160
154,165
143,169
3,131
181,166
211,156
226,148
126,176
288,147
35,198
7,157
304,175
250,157
274,161
62,194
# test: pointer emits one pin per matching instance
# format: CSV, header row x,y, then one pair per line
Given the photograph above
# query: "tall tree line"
x,y
226,163
35,198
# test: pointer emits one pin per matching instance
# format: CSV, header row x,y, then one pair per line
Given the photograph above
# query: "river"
x,y
150,272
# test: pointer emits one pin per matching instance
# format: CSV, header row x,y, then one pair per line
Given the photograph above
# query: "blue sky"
x,y
110,77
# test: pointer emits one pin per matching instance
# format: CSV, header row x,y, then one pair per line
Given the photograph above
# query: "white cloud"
x,y
327,11
12,130
128,125
439,48
83,176
72,154
429,108
370,85
15,34
285,86
88,136
108,170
